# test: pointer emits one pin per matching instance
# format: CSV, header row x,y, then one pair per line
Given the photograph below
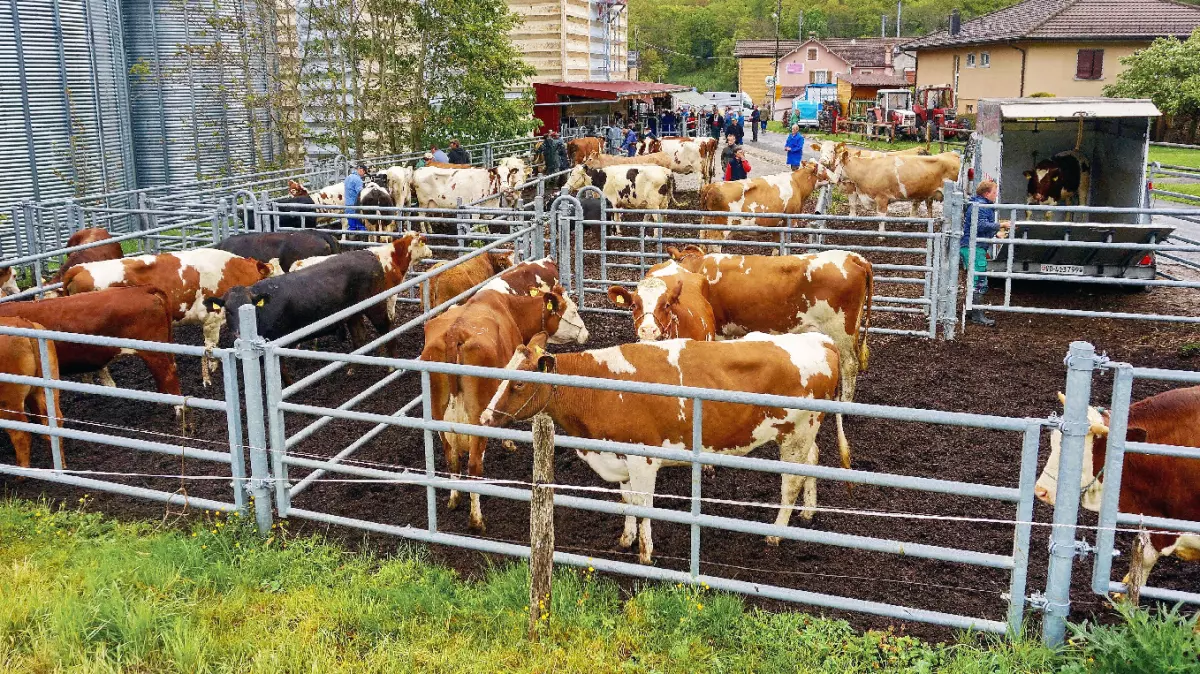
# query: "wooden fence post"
x,y
541,524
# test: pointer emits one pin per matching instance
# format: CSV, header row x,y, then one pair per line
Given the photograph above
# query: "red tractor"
x,y
936,110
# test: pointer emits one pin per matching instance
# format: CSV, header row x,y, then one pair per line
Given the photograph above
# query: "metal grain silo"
x,y
188,95
64,107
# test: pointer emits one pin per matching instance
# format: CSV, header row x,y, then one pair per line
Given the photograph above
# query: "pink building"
x,y
815,61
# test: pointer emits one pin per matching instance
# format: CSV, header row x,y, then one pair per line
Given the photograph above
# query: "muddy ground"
x,y
1013,370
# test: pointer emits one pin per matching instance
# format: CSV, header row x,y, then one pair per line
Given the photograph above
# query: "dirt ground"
x,y
1013,370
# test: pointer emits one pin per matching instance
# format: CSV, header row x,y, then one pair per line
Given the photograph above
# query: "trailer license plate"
x,y
1064,269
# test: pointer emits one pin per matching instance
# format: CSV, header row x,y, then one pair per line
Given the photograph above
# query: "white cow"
x,y
688,155
400,184
445,187
628,186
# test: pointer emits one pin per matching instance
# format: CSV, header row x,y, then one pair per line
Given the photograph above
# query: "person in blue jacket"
x,y
988,228
795,148
353,187
631,141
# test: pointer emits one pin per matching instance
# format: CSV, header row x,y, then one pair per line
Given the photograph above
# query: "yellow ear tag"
x,y
534,292
549,306
538,350
260,303
620,300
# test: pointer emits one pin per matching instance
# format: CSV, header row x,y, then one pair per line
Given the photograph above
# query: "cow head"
x,y
500,260
653,303
231,304
295,189
1045,183
689,254
577,179
515,400
828,149
407,251
8,282
513,171
1094,446
560,317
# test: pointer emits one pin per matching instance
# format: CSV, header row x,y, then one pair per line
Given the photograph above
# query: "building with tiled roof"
x,y
1060,47
813,61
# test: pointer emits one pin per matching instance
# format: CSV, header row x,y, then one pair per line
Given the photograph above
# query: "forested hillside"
x,y
691,41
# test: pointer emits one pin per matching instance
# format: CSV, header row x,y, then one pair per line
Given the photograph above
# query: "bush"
x,y
1163,641
1042,94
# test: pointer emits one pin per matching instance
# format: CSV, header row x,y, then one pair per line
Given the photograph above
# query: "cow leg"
x,y
616,218
14,411
475,469
1150,556
630,531
849,381
106,377
799,447
164,370
641,482
212,337
40,412
881,206
450,445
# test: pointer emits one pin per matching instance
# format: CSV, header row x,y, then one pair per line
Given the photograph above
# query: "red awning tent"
x,y
550,98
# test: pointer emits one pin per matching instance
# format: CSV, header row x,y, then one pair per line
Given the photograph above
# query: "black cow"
x,y
591,207
375,195
294,213
281,247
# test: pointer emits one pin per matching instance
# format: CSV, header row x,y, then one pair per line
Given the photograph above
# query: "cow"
x,y
400,184
486,331
281,249
104,251
591,207
656,159
187,278
712,297
580,150
446,188
8,282
373,197
778,193
394,276
1062,180
284,304
897,177
21,356
829,150
141,312
802,366
649,187
1151,485
688,155
462,277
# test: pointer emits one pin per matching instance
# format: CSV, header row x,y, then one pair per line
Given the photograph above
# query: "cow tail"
x,y
671,195
862,351
454,340
166,302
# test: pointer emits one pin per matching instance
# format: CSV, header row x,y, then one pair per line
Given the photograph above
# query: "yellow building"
x,y
1059,47
573,39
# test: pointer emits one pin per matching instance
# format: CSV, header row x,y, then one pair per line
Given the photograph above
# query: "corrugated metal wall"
x,y
189,117
64,110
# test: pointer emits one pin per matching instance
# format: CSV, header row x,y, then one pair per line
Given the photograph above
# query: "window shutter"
x,y
1097,63
1083,69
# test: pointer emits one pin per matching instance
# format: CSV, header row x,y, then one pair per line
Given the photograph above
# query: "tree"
x,y
468,66
1167,72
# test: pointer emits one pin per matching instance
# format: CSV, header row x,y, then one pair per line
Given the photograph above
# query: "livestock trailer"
x,y
1113,135
808,105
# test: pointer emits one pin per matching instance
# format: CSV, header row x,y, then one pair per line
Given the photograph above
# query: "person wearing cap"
x,y
630,144
438,155
425,159
458,154
554,153
354,186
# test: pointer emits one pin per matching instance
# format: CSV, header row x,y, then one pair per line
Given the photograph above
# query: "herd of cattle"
x,y
785,325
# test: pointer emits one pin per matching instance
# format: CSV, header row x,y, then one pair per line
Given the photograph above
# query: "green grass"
x,y
1175,156
1192,189
83,593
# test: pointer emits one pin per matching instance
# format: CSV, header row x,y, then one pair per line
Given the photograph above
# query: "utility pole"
x,y
899,6
775,82
883,25
800,29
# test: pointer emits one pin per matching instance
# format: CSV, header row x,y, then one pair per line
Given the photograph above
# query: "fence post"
x,y
541,524
951,233
249,349
52,411
1081,359
487,156
1114,459
538,245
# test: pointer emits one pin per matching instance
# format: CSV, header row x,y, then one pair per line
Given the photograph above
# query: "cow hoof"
x,y
478,527
452,504
709,470
645,561
625,543
509,445
773,541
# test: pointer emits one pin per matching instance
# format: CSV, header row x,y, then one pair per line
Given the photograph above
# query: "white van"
x,y
728,99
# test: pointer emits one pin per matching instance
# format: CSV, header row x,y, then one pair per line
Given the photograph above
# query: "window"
x,y
1090,64
867,72
985,59
971,60
820,77
970,109
812,54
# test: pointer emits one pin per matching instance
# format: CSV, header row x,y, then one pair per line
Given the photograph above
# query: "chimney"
x,y
955,22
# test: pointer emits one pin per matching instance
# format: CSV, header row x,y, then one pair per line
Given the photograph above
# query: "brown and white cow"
x,y
828,159
1062,180
462,277
580,150
688,155
655,159
106,251
390,256
712,297
779,193
897,177
486,331
650,187
803,366
8,282
187,278
1151,485
21,356
141,312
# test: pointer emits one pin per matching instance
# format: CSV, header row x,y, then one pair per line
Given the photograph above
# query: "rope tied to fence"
x,y
182,490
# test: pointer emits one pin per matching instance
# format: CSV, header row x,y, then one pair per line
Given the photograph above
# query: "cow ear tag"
x,y
620,300
533,292
549,306
260,303
538,350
